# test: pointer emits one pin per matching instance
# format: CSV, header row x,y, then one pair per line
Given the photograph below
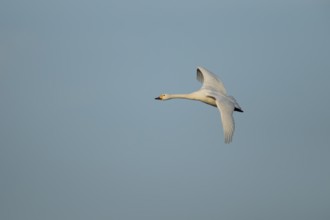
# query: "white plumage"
x,y
212,92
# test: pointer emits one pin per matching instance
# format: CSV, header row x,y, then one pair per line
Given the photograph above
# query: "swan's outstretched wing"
x,y
210,81
226,108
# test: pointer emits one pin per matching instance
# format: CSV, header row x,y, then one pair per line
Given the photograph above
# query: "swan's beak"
x,y
158,98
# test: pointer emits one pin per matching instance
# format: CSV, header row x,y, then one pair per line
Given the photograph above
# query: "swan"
x,y
212,93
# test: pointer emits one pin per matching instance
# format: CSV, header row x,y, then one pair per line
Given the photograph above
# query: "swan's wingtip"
x,y
200,68
228,140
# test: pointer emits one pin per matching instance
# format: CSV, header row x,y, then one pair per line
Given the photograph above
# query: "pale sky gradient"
x,y
81,136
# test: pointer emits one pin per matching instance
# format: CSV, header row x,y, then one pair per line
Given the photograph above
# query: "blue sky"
x,y
82,137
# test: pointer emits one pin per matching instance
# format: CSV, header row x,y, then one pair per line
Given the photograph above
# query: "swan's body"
x,y
213,93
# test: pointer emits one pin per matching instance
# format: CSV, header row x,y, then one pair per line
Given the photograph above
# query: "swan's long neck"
x,y
182,96
194,96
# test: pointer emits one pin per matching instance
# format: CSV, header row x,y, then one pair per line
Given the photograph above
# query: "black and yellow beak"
x,y
158,98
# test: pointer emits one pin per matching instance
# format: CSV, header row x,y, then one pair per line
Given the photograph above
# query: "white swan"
x,y
213,93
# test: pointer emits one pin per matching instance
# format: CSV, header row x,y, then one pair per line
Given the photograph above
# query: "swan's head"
x,y
163,97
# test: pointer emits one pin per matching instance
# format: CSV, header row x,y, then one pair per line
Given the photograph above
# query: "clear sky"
x,y
81,136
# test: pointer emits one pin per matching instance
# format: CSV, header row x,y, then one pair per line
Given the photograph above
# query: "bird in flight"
x,y
213,93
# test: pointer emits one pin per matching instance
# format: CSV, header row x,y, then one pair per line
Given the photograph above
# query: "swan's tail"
x,y
237,107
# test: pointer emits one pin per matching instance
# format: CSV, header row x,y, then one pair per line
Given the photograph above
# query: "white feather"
x,y
212,92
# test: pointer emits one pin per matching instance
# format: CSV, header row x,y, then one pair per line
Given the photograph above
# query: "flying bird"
x,y
213,93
